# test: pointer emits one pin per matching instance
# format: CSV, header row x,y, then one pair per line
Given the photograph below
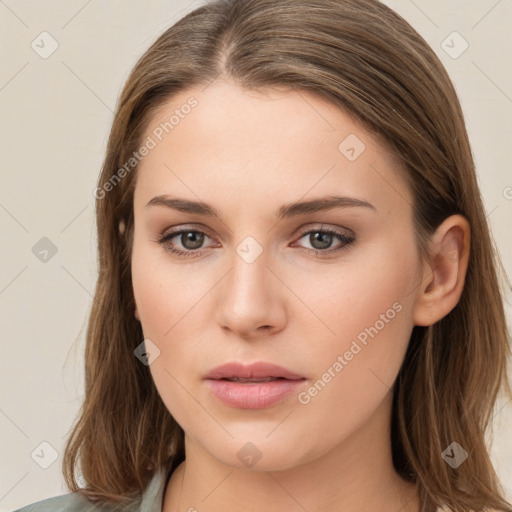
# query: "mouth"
x,y
255,372
255,381
255,386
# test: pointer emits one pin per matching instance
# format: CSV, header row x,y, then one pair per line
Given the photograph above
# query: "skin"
x,y
247,153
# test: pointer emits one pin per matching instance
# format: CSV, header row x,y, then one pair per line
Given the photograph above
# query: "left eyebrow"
x,y
320,204
285,211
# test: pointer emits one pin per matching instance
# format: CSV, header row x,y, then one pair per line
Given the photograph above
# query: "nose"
x,y
250,301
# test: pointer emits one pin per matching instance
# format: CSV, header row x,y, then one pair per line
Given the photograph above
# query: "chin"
x,y
261,454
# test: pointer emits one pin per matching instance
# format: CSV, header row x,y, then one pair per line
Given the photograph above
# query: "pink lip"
x,y
257,395
254,370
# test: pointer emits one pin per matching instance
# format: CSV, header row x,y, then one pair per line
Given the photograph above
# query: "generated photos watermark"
x,y
356,346
151,142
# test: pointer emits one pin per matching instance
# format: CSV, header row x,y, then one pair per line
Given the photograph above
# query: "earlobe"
x,y
443,279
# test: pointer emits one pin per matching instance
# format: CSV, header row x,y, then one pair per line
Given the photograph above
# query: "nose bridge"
x,y
249,299
248,283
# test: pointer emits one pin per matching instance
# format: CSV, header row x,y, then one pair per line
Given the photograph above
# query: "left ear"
x,y
443,280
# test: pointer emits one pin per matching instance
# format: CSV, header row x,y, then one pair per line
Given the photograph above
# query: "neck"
x,y
356,475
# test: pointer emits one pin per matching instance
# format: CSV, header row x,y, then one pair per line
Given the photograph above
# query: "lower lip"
x,y
258,395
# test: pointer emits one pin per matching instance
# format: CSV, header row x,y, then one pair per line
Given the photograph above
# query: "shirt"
x,y
150,501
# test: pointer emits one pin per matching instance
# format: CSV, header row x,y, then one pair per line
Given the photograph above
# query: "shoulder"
x,y
74,502
150,501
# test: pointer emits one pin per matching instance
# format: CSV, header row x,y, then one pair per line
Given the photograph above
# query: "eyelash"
x,y
347,241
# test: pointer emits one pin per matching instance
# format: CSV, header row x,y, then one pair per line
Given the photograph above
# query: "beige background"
x,y
55,115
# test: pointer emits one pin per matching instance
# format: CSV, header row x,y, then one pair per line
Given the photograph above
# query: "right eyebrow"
x,y
184,205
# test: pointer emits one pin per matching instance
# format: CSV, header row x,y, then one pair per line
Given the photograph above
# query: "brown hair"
x,y
366,60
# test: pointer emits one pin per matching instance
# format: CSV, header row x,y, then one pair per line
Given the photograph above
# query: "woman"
x,y
298,305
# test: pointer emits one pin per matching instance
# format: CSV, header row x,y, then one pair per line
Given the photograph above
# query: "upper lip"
x,y
259,370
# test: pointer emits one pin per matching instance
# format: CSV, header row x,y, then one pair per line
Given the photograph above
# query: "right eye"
x,y
190,239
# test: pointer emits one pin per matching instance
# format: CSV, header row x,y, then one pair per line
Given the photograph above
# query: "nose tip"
x,y
248,302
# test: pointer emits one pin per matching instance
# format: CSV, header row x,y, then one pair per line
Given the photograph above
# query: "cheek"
x,y
370,287
366,312
354,370
165,301
164,292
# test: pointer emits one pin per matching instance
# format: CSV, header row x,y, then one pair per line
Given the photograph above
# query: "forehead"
x,y
274,143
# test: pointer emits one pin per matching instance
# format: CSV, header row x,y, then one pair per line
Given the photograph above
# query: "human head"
x,y
363,58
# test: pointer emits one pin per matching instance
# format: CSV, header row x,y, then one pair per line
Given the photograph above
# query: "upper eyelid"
x,y
320,226
172,232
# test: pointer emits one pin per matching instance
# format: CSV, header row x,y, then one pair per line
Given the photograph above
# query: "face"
x,y
323,290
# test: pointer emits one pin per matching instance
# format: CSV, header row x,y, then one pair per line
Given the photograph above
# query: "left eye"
x,y
321,241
